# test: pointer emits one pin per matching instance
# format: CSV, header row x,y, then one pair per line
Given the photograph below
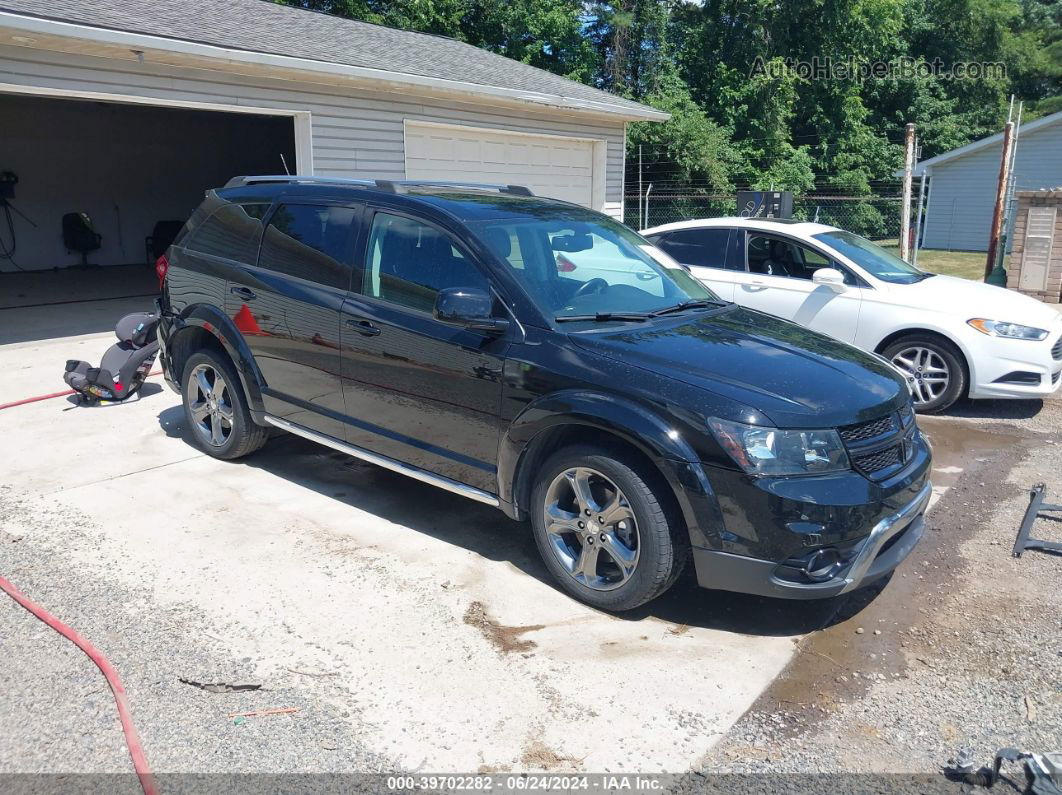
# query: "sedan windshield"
x,y
871,257
584,266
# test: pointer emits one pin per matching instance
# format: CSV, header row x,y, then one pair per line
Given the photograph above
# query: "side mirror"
x,y
469,307
829,277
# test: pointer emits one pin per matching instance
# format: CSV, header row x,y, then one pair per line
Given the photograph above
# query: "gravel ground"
x,y
186,728
962,649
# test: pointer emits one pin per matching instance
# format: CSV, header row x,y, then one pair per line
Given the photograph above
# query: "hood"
x,y
977,299
796,377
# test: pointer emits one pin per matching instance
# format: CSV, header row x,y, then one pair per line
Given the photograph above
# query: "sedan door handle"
x,y
243,293
364,327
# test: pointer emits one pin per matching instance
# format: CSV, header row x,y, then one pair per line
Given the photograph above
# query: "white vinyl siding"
x,y
355,133
560,168
963,191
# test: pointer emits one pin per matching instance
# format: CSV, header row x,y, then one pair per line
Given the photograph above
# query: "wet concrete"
x,y
864,637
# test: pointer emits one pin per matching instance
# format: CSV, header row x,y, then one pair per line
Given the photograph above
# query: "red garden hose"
x,y
34,399
132,739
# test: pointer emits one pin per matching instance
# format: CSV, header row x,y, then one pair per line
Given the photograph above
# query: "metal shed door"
x,y
560,168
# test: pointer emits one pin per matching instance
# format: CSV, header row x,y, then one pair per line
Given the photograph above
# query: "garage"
x,y
126,112
555,166
102,187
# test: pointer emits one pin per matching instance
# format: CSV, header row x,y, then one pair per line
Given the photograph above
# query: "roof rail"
x,y
236,182
398,184
390,185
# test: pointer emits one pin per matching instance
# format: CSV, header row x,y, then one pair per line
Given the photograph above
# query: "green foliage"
x,y
688,148
739,117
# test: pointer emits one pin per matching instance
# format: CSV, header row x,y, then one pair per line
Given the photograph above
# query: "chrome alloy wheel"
x,y
926,370
591,528
210,404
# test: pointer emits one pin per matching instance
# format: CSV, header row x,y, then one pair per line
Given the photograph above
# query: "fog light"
x,y
823,565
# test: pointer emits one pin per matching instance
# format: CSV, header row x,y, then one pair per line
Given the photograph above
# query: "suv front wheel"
x,y
603,526
215,408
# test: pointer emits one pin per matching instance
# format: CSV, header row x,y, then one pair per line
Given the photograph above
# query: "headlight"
x,y
996,328
770,451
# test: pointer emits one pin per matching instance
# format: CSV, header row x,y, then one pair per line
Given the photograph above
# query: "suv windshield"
x,y
582,265
872,258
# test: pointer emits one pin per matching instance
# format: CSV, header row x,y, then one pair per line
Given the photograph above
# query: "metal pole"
x,y
641,219
647,204
918,219
905,213
1001,197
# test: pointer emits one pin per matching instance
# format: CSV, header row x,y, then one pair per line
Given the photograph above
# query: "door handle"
x,y
363,327
243,293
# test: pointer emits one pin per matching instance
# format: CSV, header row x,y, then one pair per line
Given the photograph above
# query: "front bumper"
x,y
887,545
1004,368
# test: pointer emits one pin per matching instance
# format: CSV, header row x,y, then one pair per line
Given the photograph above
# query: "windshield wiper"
x,y
602,317
683,306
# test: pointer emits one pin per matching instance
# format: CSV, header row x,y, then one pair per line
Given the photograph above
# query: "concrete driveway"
x,y
411,629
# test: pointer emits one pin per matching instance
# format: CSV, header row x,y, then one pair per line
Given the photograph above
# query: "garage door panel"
x,y
549,166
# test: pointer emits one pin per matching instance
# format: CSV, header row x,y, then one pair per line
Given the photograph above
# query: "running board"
x,y
387,463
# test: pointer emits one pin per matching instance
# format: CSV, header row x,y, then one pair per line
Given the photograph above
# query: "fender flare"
x,y
212,320
637,425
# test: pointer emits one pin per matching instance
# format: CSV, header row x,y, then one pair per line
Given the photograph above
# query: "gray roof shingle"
x,y
265,27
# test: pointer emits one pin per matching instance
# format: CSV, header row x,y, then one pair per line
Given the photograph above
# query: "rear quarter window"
x,y
232,231
705,248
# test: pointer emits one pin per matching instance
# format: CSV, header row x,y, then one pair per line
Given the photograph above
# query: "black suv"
x,y
540,357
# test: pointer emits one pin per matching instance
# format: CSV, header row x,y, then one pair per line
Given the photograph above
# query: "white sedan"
x,y
952,337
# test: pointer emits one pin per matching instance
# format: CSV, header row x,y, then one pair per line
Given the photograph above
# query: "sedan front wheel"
x,y
933,367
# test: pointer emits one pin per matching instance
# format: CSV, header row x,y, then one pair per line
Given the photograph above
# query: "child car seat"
x,y
124,366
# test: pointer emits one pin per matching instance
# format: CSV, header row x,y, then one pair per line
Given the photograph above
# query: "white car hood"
x,y
976,299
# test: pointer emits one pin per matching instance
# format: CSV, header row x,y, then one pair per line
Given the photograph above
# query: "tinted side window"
x,y
231,232
408,262
702,247
777,257
311,242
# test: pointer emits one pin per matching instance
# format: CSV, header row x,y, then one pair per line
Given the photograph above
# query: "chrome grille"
x,y
882,459
1054,377
868,430
1056,351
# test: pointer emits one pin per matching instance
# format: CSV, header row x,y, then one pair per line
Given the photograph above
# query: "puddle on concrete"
x,y
504,639
865,640
956,446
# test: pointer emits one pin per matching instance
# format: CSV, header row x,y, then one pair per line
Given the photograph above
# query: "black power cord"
x,y
8,251
8,180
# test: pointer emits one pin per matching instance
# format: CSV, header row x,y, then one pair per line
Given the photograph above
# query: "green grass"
x,y
964,264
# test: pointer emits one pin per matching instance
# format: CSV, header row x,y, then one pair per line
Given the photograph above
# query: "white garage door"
x,y
556,167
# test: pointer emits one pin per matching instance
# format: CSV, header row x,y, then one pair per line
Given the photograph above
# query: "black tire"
x,y
243,435
950,355
663,547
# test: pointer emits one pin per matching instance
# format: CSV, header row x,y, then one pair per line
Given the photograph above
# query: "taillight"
x,y
564,265
162,267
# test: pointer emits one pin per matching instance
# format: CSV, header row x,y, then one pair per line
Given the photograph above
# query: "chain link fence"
x,y
873,217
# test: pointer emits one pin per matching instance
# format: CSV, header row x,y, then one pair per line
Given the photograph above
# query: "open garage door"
x,y
561,168
137,171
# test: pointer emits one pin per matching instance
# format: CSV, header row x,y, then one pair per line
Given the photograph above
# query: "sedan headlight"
x,y
771,451
996,328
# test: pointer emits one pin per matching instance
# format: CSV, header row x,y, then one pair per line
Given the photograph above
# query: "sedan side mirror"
x,y
829,277
469,307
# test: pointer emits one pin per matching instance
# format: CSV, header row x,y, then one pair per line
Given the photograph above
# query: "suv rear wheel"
x,y
603,530
215,408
